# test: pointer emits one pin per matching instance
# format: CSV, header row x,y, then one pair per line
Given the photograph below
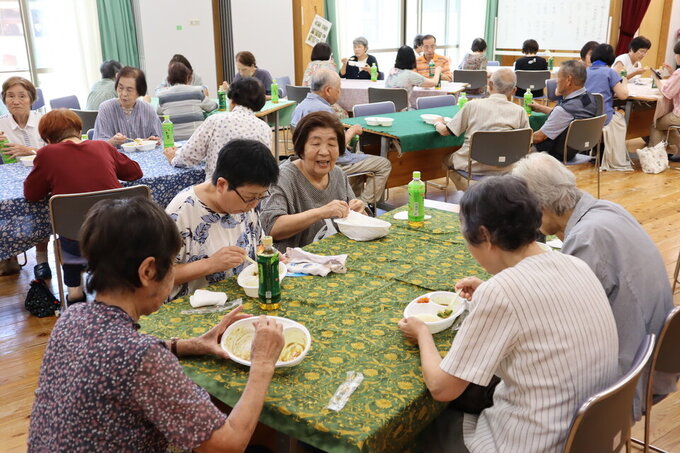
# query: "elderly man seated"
x,y
616,248
576,104
495,113
429,55
325,91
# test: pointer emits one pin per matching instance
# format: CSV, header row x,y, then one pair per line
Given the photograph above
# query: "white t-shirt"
x,y
205,231
546,329
628,65
28,136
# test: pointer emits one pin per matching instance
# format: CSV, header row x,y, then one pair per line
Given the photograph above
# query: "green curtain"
x,y
117,31
331,15
489,33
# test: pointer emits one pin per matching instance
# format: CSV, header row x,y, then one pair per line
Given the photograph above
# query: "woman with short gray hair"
x,y
358,66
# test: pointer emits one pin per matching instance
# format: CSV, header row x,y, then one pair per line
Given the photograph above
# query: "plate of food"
x,y
437,309
238,338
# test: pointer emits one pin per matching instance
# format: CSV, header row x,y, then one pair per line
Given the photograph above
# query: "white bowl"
x,y
27,160
130,147
362,227
147,145
414,308
372,121
247,324
544,246
430,118
250,286
384,121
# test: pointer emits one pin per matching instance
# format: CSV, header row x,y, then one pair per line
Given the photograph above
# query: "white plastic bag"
x,y
653,159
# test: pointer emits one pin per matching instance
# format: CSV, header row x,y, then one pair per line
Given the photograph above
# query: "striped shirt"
x,y
28,136
102,90
111,119
185,104
218,130
423,66
552,343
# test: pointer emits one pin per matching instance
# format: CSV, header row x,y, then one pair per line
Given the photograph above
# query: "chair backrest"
x,y
90,134
599,103
88,117
492,63
584,134
475,78
381,75
500,148
430,102
550,87
283,82
376,108
602,423
532,80
297,93
67,102
67,212
399,96
666,357
39,99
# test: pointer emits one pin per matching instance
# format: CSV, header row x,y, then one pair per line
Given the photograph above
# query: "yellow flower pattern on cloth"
x,y
352,318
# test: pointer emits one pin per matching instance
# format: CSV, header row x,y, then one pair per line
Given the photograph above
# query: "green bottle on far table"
x,y
168,132
416,201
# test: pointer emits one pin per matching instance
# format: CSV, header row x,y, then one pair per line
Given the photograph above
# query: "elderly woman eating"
x,y
311,189
127,117
102,383
358,66
528,324
69,165
218,219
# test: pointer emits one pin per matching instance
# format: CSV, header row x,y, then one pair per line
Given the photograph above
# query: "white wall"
x,y
673,27
157,23
265,28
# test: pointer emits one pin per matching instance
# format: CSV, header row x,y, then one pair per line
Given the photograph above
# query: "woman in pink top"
x,y
670,89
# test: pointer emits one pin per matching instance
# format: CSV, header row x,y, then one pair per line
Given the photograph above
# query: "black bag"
x,y
40,301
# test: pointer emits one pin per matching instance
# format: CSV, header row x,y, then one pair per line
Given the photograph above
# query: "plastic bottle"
x,y
83,137
221,100
416,201
528,99
168,132
275,92
624,73
374,73
431,68
269,289
6,159
462,100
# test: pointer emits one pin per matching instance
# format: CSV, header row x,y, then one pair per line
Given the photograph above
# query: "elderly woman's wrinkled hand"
x,y
468,285
357,205
268,342
209,342
118,139
170,153
15,150
413,328
336,209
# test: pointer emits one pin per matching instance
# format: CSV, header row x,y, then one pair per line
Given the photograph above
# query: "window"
x,y
53,43
388,24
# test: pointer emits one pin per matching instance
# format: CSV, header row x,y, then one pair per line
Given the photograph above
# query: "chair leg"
x,y
675,274
597,169
60,279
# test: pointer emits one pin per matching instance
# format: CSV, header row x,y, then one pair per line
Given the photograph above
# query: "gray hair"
x,y
321,78
576,69
504,81
360,40
550,181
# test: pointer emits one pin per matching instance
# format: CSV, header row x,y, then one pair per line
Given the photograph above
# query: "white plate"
x,y
431,308
248,324
403,215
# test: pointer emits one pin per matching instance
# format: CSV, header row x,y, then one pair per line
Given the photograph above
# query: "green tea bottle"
x,y
269,289
374,73
275,92
221,100
431,68
462,100
168,132
416,201
528,99
6,159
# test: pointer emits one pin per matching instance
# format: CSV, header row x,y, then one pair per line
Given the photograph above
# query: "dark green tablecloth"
x,y
352,318
415,135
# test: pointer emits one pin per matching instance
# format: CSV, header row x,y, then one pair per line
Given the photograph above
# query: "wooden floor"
x,y
653,199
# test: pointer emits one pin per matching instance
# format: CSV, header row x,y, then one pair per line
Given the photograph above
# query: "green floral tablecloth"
x,y
352,318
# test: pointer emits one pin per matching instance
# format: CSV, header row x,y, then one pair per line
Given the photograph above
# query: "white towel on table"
x,y
303,262
203,297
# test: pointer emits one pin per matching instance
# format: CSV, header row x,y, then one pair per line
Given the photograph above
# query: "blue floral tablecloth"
x,y
24,224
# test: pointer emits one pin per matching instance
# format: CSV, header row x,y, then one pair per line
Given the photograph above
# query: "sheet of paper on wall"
x,y
318,31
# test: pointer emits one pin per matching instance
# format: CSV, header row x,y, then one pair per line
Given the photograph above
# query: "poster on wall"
x,y
318,32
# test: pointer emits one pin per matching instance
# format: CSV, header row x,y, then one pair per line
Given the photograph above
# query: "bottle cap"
x,y
416,175
166,117
273,81
267,241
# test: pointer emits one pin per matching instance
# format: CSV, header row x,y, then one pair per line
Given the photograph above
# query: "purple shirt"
x,y
602,79
143,122
105,387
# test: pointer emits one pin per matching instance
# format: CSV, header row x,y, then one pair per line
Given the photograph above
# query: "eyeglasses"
x,y
266,194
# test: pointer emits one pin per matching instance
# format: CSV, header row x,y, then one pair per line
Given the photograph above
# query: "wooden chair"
x,y
602,424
